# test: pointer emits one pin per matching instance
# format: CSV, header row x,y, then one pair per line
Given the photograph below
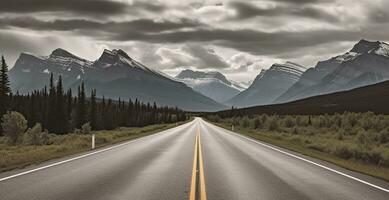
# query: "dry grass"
x,y
19,156
327,146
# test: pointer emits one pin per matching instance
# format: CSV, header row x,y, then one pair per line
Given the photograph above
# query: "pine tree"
x,y
81,107
69,107
52,106
5,89
93,110
62,122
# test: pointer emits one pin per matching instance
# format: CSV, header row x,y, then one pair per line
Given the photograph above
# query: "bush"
x,y
245,122
13,124
86,128
273,125
385,157
343,151
340,134
289,122
295,130
362,138
257,123
33,135
45,138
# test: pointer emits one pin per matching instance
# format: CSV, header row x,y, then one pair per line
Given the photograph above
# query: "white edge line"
x,y
309,161
78,157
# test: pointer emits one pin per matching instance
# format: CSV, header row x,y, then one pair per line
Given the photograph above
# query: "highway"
x,y
196,160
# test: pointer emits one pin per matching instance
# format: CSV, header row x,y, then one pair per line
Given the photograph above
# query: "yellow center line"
x,y
192,195
198,162
203,194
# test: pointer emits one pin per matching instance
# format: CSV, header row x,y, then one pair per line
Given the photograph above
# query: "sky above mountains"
x,y
235,37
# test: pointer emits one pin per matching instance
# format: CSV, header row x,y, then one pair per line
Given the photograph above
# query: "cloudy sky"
x,y
236,37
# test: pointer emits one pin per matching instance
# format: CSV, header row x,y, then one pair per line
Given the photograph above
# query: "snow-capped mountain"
x,y
114,74
366,63
268,85
211,84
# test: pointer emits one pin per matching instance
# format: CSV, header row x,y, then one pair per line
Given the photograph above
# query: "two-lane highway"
x,y
164,166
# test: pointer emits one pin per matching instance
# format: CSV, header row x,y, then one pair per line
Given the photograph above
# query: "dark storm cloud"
x,y
304,1
103,7
207,57
255,42
247,40
126,27
247,10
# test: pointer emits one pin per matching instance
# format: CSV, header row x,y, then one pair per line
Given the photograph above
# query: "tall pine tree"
x,y
61,116
81,107
93,110
5,90
52,106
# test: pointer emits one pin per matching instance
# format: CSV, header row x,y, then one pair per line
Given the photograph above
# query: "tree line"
x,y
61,112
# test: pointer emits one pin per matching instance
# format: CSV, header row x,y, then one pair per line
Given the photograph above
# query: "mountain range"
x,y
211,84
366,63
269,85
114,74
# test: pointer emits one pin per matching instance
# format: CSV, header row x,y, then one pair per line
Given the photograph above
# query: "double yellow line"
x,y
197,189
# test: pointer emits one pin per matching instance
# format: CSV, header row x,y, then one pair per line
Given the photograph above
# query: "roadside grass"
x,y
19,156
313,146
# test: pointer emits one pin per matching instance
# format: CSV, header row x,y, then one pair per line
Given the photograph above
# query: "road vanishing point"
x,y
196,160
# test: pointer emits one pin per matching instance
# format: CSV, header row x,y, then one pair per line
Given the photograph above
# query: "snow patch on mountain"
x,y
383,50
346,57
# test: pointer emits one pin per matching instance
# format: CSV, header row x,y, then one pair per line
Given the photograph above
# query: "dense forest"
x,y
61,111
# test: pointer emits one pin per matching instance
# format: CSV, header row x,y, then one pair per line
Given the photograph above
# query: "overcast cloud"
x,y
236,37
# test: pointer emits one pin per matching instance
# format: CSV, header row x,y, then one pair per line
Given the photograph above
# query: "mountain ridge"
x,y
114,74
211,84
268,85
366,63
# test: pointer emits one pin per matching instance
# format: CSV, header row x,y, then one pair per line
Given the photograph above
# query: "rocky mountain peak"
x,y
187,73
62,53
364,46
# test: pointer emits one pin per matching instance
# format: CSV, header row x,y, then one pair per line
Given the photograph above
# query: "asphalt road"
x,y
160,166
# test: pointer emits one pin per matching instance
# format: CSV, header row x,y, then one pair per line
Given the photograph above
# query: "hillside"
x,y
373,98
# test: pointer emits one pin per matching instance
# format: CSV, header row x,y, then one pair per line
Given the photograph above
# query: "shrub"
x,y
13,124
235,121
367,123
385,157
257,123
77,131
245,122
33,135
273,125
340,134
343,151
86,128
295,130
289,122
383,136
362,138
264,118
45,139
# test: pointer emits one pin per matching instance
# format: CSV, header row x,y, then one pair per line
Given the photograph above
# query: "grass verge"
x,y
19,156
381,172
